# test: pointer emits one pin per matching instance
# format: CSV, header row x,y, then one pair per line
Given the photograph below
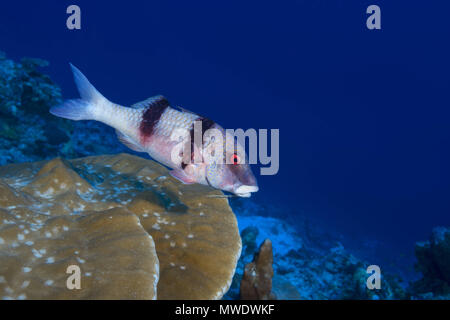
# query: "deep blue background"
x,y
363,115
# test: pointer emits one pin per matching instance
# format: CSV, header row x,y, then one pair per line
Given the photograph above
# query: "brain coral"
x,y
134,231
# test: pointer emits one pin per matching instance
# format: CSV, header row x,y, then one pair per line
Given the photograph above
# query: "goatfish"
x,y
150,126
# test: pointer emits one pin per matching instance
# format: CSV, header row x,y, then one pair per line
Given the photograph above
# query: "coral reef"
x,y
25,96
123,220
192,234
433,262
28,132
256,283
304,268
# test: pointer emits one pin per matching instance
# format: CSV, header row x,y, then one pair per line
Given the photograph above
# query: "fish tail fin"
x,y
84,108
76,109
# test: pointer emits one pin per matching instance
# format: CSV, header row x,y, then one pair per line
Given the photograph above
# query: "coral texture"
x,y
256,282
123,220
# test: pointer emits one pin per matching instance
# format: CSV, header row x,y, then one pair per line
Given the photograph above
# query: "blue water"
x,y
363,115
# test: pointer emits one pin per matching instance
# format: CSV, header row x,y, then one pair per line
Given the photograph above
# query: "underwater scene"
x,y
224,150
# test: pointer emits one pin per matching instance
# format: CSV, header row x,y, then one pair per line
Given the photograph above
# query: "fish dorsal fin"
x,y
127,141
156,100
186,111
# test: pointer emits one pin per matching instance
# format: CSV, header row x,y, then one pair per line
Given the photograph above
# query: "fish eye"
x,y
235,159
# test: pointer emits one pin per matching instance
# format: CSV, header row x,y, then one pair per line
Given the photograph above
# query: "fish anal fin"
x,y
156,100
181,175
128,142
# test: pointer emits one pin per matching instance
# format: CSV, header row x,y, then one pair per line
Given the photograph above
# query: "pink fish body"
x,y
154,127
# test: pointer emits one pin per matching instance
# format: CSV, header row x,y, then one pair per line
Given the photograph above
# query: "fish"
x,y
168,135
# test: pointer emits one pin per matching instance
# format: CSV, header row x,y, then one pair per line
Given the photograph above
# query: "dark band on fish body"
x,y
206,124
152,115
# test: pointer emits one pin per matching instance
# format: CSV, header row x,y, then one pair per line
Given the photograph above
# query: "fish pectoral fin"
x,y
127,141
181,175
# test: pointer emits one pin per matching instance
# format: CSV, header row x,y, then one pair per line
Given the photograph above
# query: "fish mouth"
x,y
245,191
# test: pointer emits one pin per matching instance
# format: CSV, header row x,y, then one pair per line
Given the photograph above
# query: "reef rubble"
x,y
305,269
